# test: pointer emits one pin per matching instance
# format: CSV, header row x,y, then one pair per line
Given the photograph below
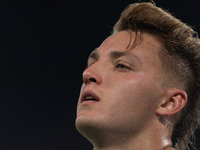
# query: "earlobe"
x,y
172,102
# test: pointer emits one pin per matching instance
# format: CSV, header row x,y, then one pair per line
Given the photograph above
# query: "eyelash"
x,y
118,66
89,65
122,66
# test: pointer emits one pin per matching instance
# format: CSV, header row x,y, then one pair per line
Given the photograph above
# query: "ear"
x,y
172,102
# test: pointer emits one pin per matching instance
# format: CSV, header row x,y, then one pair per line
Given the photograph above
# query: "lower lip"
x,y
88,102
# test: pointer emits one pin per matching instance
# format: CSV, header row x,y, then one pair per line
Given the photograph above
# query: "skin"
x,y
126,84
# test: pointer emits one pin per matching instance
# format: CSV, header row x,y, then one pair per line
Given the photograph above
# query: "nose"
x,y
92,75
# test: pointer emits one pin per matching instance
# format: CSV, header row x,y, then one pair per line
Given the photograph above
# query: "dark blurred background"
x,y
43,51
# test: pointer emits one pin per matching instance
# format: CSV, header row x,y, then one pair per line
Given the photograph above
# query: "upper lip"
x,y
89,95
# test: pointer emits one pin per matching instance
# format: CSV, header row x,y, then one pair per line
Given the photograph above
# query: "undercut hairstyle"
x,y
180,61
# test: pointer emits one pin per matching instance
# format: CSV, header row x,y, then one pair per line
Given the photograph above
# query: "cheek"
x,y
130,86
125,97
129,94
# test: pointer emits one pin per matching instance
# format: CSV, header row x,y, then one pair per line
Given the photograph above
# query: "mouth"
x,y
89,97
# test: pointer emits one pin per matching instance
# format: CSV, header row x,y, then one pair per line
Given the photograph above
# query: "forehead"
x,y
146,45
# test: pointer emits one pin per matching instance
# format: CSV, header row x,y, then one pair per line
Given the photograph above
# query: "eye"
x,y
122,66
90,63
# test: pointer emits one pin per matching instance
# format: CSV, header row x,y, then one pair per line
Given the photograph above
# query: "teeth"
x,y
90,98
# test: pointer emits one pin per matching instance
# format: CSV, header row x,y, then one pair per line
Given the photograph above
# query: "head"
x,y
180,60
120,92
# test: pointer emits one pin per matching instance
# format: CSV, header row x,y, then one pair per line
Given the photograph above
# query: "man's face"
x,y
120,90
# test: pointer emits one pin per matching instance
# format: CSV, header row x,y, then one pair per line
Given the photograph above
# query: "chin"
x,y
89,125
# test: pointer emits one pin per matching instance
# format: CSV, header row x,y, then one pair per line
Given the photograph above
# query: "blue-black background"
x,y
44,46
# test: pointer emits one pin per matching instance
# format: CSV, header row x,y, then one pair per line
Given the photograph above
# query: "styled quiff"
x,y
180,58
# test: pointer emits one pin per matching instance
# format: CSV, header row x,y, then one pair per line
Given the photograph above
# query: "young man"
x,y
141,87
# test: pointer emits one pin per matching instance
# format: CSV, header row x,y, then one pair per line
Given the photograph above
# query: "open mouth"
x,y
89,97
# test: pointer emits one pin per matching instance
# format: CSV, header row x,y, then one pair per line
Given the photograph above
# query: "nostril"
x,y
92,80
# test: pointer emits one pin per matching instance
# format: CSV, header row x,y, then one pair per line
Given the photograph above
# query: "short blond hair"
x,y
180,58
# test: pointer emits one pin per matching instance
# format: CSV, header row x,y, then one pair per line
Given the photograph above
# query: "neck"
x,y
150,138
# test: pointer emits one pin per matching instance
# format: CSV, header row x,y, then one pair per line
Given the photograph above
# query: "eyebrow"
x,y
94,54
113,54
117,54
